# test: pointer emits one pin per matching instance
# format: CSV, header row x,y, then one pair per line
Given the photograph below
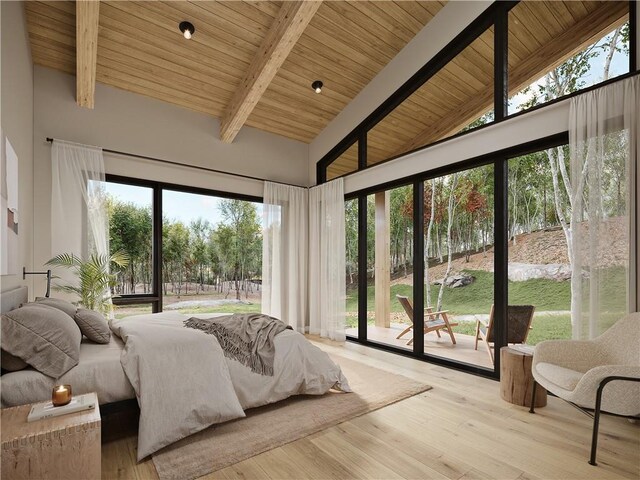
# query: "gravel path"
x,y
203,303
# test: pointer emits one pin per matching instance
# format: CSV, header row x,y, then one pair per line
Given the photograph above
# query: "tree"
x,y
451,210
130,231
351,238
246,248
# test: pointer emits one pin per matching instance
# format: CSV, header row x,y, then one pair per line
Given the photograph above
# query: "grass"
x,y
129,310
478,296
546,295
544,327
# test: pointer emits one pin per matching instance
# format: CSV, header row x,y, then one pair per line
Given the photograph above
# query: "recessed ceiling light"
x,y
187,29
317,86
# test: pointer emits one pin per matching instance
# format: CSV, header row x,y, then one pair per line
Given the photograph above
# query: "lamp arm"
x,y
47,273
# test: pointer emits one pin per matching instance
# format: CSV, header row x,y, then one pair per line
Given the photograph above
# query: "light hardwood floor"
x,y
460,429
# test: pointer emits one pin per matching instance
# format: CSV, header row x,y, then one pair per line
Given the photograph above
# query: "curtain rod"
x,y
206,169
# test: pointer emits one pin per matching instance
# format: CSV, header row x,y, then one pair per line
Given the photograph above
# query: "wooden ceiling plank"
x,y
145,52
179,81
570,41
87,16
323,61
268,10
242,20
131,25
213,22
68,38
579,9
379,39
383,20
348,49
417,11
61,16
150,88
397,14
146,21
288,26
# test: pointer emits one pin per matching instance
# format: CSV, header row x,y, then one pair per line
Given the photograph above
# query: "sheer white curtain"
x,y
285,253
79,220
327,291
603,145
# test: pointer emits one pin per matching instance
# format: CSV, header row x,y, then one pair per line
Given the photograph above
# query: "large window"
x,y
130,210
211,254
459,96
456,251
211,248
543,50
556,48
542,255
389,266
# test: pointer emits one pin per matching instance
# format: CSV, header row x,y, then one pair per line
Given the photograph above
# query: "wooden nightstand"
x,y
66,447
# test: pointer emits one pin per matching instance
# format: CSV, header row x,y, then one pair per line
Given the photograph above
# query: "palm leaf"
x,y
94,278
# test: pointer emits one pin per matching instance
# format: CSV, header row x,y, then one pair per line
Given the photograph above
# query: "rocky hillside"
x,y
540,248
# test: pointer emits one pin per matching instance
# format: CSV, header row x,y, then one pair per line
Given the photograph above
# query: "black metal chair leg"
x,y
533,397
596,424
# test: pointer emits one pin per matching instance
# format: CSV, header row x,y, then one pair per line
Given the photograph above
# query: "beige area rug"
x,y
271,426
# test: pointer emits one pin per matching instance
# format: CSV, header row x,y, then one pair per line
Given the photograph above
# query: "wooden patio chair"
x,y
519,319
433,321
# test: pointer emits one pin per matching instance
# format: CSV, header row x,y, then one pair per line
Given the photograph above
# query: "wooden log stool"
x,y
516,380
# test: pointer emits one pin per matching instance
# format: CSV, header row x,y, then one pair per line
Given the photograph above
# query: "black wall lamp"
x,y
47,273
187,29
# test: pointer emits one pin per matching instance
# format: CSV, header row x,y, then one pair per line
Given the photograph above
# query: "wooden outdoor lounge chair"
x,y
519,319
433,321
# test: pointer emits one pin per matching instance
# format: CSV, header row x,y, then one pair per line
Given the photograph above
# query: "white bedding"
x,y
184,383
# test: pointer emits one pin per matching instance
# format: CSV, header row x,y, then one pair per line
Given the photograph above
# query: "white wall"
x,y
140,125
16,78
443,28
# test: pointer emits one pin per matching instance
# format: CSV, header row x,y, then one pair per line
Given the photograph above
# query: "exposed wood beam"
x,y
287,28
570,42
87,13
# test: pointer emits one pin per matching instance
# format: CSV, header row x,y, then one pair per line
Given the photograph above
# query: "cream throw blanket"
x,y
245,337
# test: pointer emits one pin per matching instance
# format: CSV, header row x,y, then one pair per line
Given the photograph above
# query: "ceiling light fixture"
x,y
317,86
187,29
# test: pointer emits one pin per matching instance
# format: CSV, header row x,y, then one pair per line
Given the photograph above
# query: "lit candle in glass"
x,y
61,395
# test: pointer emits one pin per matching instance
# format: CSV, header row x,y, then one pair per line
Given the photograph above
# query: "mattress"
x,y
98,370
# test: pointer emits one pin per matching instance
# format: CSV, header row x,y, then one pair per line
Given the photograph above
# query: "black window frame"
x,y
500,160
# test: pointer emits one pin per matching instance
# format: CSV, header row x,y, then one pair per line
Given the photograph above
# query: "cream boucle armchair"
x,y
578,371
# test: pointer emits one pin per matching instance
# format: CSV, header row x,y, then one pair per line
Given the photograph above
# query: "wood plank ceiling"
x,y
542,34
141,50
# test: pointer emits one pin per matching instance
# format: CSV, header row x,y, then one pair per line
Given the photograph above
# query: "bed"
x,y
179,377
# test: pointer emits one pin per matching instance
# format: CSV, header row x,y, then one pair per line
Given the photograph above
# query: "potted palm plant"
x,y
94,278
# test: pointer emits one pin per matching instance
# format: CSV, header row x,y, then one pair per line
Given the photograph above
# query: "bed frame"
x,y
118,418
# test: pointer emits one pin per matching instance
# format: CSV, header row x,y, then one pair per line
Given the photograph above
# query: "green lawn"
x,y
546,295
478,297
543,328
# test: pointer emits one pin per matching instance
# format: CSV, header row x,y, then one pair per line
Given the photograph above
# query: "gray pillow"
x,y
93,325
11,363
44,337
67,307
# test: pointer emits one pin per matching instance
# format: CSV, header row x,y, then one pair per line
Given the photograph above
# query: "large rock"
x,y
455,281
519,272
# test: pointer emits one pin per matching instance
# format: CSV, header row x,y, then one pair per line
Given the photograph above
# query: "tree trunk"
x,y
450,214
427,243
